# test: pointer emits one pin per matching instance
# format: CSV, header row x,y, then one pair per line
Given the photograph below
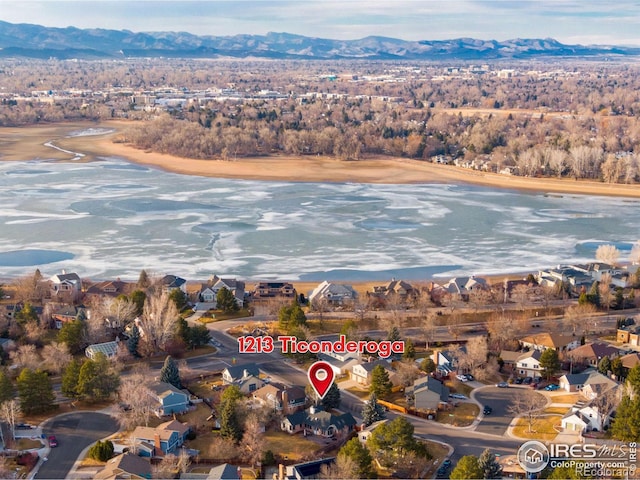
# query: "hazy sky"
x,y
571,21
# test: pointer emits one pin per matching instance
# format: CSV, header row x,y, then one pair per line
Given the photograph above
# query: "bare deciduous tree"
x,y
527,405
608,254
607,295
9,412
343,468
158,321
56,356
253,440
26,356
136,399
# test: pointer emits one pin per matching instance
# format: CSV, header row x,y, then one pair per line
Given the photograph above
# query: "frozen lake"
x,y
111,219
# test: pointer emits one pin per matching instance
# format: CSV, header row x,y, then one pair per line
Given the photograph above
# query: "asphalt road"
x,y
74,432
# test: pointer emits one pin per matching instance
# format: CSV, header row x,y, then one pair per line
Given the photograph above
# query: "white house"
x,y
333,293
209,291
238,373
585,419
528,364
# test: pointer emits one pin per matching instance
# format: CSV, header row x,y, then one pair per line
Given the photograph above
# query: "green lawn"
x,y
218,315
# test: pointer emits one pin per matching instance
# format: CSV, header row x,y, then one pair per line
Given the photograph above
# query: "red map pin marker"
x,y
321,377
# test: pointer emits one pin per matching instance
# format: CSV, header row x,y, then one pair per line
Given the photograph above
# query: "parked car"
x,y
458,396
487,410
461,377
470,377
552,387
53,442
527,380
502,385
518,381
537,380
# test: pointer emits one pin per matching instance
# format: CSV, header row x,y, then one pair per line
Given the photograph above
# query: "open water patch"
x,y
31,257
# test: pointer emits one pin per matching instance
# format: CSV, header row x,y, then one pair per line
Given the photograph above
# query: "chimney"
x,y
285,401
156,444
280,472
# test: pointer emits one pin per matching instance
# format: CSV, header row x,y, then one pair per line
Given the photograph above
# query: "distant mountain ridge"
x,y
35,41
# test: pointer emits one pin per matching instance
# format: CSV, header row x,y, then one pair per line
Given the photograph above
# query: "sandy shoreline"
x,y
26,143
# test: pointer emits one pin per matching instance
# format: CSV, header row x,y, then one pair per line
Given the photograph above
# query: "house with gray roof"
x,y
428,393
170,399
578,381
315,421
225,472
236,373
333,294
173,282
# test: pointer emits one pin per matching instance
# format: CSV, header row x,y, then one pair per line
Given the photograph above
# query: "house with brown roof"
x,y
592,353
126,465
281,398
166,438
109,288
264,291
398,289
543,341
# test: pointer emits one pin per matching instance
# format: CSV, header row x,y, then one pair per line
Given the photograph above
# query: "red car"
x,y
52,441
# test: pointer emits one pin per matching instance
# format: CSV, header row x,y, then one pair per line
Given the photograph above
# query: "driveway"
x,y
74,432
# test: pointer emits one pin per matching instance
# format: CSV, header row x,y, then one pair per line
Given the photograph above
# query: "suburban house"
x,y
237,373
264,291
172,282
585,419
428,393
250,384
630,335
125,465
333,294
365,433
596,270
281,398
109,288
564,275
170,399
316,421
65,287
528,364
340,364
108,349
398,289
446,361
629,361
209,291
463,286
304,471
361,372
592,353
578,381
225,472
66,313
542,341
510,358
166,438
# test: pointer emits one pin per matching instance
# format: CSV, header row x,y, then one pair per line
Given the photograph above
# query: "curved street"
x,y
74,432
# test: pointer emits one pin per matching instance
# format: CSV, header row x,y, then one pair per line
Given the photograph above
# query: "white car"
x,y
458,396
462,378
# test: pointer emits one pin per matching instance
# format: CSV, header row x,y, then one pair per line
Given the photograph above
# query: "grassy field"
x,y
557,410
542,428
461,416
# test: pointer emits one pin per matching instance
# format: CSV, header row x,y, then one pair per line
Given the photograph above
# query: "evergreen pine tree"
x,y
143,280
226,301
332,398
133,341
70,378
6,387
35,391
372,411
229,424
393,335
489,465
380,383
170,372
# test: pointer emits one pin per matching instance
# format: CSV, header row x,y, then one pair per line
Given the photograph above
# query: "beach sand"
x,y
26,143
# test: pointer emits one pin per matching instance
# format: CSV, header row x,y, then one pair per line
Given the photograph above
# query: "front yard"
x,y
542,428
290,447
461,416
